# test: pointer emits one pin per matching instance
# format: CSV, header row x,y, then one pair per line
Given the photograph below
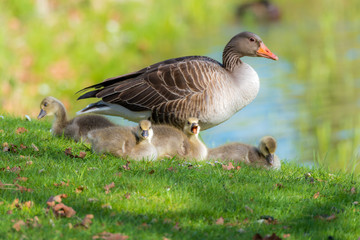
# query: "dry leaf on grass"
x,y
108,187
62,183
228,167
127,195
20,130
68,152
79,189
326,217
55,199
22,146
247,208
353,190
269,219
20,179
126,166
17,226
106,205
152,171
220,221
110,236
316,195
61,210
86,222
272,237
36,149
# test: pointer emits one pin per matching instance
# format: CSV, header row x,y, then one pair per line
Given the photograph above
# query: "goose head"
x,y
249,44
267,147
192,127
144,130
48,106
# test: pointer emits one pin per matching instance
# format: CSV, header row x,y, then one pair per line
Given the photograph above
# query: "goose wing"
x,y
165,82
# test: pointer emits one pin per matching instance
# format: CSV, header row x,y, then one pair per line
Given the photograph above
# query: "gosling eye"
x,y
188,122
45,104
252,39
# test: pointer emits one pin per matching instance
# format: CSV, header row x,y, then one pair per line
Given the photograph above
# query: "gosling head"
x,y
48,107
267,147
145,131
192,126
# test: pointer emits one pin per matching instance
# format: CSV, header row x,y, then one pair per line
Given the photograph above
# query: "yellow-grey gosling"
x,y
263,155
198,150
76,128
132,142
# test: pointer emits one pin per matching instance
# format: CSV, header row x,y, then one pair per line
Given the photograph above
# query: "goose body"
x,y
76,128
263,155
196,86
132,142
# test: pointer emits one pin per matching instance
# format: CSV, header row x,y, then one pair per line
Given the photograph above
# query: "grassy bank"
x,y
168,199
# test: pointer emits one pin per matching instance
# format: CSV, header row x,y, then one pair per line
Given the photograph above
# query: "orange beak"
x,y
263,51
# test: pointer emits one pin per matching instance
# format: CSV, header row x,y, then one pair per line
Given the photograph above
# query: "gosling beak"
x,y
270,159
263,51
145,133
194,128
41,114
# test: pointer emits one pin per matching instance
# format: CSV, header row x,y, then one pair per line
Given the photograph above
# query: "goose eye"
x,y
188,122
45,104
252,39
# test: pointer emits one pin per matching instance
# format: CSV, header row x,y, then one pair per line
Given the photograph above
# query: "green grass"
x,y
192,198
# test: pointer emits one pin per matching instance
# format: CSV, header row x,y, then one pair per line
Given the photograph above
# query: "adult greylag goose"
x,y
132,142
176,89
263,156
78,127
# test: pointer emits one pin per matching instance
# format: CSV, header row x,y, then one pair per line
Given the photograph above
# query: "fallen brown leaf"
x,y
272,237
238,167
17,226
62,183
177,227
279,186
79,189
126,166
172,169
108,187
269,219
286,235
20,130
86,222
152,171
127,195
353,190
106,205
326,217
228,167
15,169
29,162
249,209
68,152
316,195
220,221
62,210
55,199
36,149
110,236
81,154
21,179
23,189
22,146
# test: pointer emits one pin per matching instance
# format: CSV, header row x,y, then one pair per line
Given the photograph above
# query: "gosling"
x,y
197,150
263,156
132,142
170,141
77,128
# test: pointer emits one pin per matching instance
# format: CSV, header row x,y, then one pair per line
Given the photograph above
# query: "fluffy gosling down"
x,y
78,127
263,155
170,141
132,142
